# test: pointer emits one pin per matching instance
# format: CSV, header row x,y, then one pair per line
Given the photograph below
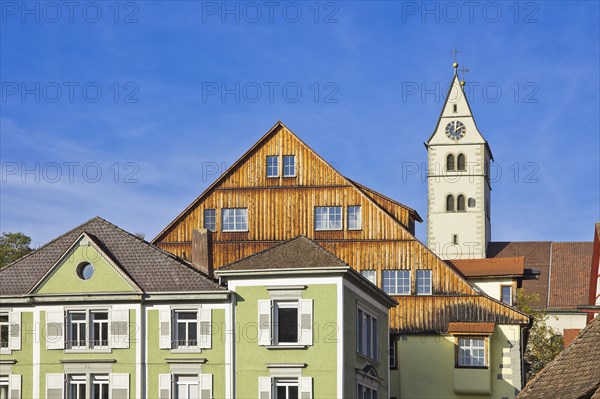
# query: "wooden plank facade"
x,y
280,208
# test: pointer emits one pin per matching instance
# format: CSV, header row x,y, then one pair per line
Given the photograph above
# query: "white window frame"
x,y
283,304
73,343
287,383
100,323
240,219
190,380
510,288
427,279
365,391
272,168
76,380
5,331
354,218
288,166
88,380
212,217
5,384
397,276
103,381
323,216
88,328
370,274
468,349
367,329
179,343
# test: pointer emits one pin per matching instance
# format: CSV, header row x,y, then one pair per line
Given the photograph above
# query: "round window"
x,y
85,270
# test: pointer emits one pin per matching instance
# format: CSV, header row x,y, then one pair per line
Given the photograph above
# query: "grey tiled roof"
x,y
574,373
151,268
299,252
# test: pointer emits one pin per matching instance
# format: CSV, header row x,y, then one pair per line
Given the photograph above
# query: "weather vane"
x,y
455,52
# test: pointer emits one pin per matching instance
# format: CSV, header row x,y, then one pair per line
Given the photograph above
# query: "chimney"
x,y
202,251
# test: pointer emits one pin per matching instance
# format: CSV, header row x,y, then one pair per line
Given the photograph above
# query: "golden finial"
x,y
463,70
455,65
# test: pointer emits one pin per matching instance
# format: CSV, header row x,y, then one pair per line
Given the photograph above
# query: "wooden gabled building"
x,y
280,188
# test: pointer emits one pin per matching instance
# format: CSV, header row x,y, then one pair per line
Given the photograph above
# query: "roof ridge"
x,y
51,241
264,250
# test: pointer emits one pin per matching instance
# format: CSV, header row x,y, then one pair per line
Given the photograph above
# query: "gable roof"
x,y
574,373
151,268
565,269
273,130
494,267
297,253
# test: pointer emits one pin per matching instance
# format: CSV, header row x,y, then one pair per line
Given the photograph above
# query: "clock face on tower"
x,y
455,130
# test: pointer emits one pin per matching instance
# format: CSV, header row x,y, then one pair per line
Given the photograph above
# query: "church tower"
x,y
458,183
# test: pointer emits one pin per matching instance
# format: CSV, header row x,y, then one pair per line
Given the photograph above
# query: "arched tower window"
x,y
461,161
460,203
450,162
450,203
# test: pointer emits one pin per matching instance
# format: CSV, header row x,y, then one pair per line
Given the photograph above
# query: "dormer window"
x,y
272,166
289,166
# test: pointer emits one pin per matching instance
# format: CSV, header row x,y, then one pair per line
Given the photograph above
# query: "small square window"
x,y
423,282
234,219
210,219
272,166
370,275
289,165
396,282
354,217
471,352
328,218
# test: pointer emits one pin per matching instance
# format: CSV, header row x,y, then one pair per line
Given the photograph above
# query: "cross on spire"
x,y
455,52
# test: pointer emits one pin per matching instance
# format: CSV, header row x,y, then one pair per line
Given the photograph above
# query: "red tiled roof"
x,y
564,267
490,267
570,274
471,328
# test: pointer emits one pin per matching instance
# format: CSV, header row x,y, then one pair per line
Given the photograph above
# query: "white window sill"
x,y
234,231
89,350
186,350
298,346
329,229
5,351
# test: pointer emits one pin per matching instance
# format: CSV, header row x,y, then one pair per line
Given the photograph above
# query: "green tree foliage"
x,y
12,247
544,342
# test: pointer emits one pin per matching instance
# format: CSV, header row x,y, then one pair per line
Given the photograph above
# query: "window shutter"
x,y
14,385
305,387
119,328
55,385
165,328
204,329
55,329
206,386
264,322
164,386
14,338
264,387
306,321
119,386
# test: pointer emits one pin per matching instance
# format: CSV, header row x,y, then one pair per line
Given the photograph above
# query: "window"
x,y
506,294
210,219
370,275
187,387
4,387
272,166
286,388
234,219
455,239
328,218
393,353
450,162
460,203
4,330
85,270
286,322
186,329
461,162
454,108
289,165
423,282
354,217
364,392
77,386
78,335
396,282
450,203
366,334
472,202
99,336
471,352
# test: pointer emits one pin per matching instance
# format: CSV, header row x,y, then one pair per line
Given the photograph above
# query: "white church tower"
x,y
458,220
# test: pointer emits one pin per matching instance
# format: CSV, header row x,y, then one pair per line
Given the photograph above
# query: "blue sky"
x,y
125,111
